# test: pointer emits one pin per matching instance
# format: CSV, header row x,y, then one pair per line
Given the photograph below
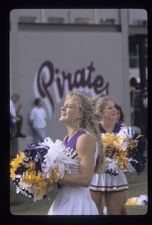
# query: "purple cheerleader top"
x,y
70,145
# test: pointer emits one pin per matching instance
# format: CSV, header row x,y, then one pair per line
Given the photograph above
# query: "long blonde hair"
x,y
89,123
101,104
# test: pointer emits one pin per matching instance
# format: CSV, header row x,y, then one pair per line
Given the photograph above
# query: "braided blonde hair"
x,y
89,123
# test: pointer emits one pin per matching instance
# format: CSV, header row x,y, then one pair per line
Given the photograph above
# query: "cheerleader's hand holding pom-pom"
x,y
36,170
56,159
123,153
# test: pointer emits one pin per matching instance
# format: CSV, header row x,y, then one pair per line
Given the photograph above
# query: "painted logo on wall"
x,y
52,85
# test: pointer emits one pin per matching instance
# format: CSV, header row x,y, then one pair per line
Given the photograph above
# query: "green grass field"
x,y
138,185
21,205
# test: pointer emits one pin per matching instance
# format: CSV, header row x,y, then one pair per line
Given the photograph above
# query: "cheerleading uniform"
x,y
106,181
73,199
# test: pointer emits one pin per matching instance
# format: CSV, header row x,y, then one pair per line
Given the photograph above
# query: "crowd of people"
x,y
89,186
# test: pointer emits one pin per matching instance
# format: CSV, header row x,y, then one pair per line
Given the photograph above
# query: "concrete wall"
x,y
69,49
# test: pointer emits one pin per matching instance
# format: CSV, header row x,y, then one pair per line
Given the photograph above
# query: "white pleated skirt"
x,y
108,182
73,201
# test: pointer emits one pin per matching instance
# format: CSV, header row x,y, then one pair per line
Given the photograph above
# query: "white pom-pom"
x,y
56,157
48,141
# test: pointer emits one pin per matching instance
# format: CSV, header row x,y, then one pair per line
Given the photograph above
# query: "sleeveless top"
x,y
70,147
73,199
120,130
115,130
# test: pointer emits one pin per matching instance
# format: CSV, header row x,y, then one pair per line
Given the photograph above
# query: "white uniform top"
x,y
74,199
13,111
38,117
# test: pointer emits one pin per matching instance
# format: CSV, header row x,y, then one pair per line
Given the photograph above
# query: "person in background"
x,y
134,130
107,186
16,119
133,93
120,114
38,120
82,143
133,88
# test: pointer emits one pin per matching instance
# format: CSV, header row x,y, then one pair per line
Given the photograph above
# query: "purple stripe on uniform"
x,y
72,142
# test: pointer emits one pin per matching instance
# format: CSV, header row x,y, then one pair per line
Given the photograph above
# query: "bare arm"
x,y
86,146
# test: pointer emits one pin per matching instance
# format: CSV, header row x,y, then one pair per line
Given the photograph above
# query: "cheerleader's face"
x,y
70,113
110,111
